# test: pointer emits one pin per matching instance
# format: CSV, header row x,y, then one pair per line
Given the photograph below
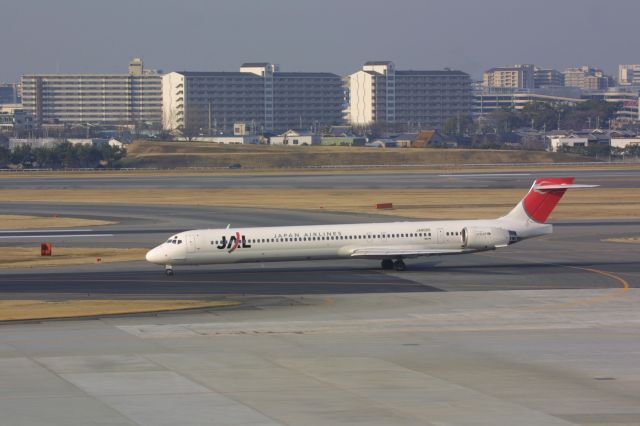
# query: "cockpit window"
x,y
179,241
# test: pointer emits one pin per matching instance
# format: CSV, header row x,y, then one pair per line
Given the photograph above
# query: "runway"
x,y
563,261
622,178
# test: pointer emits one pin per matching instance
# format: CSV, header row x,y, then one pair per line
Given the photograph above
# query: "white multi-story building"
x,y
259,94
488,100
380,94
133,98
629,75
516,77
13,117
586,78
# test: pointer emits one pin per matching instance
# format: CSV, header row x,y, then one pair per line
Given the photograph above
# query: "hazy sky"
x,y
323,35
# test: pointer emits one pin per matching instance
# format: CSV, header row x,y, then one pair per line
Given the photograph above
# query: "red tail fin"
x,y
540,202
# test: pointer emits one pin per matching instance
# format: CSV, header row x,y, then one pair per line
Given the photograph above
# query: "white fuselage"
x,y
290,243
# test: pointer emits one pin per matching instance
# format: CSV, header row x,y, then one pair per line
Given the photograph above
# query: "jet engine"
x,y
487,238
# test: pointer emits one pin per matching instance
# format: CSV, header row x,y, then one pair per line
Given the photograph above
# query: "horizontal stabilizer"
x,y
563,186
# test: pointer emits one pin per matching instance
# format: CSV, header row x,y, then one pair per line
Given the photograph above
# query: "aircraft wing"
x,y
382,253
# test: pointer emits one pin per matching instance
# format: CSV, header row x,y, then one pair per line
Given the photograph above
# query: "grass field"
x,y
29,257
14,310
201,154
628,240
42,222
597,203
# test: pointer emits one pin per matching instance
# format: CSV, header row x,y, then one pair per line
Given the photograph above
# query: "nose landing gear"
x,y
168,270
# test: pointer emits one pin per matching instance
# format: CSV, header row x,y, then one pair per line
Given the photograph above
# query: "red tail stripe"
x,y
539,203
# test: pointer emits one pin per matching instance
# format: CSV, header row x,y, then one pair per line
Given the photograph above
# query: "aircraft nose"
x,y
154,256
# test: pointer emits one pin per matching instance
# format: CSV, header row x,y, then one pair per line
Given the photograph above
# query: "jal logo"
x,y
234,242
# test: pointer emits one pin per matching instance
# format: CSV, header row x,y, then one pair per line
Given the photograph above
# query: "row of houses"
x,y
584,139
337,136
13,143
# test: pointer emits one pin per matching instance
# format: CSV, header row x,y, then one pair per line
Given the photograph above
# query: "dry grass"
x,y
440,203
41,222
29,257
202,154
627,240
207,171
12,310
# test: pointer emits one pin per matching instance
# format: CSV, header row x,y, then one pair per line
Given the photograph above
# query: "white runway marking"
x,y
56,236
33,231
487,175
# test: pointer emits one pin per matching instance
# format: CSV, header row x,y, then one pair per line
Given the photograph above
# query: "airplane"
x,y
390,242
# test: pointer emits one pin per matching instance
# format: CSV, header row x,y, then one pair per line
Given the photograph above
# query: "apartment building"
x,y
100,99
547,78
14,118
9,93
487,101
259,94
586,78
381,94
516,77
629,75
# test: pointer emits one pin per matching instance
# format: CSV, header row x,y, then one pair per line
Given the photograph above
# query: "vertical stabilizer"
x,y
542,198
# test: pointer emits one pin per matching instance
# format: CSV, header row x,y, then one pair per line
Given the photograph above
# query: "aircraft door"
x,y
440,235
191,243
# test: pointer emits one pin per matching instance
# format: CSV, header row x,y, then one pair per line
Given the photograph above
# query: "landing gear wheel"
x,y
387,264
168,271
399,265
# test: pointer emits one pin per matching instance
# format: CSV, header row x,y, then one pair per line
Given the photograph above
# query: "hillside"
x,y
198,154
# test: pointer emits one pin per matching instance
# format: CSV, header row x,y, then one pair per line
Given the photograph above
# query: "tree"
x,y
190,132
460,125
5,156
502,121
541,115
595,113
22,154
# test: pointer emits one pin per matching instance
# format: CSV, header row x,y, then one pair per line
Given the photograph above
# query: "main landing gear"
x,y
168,270
398,264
